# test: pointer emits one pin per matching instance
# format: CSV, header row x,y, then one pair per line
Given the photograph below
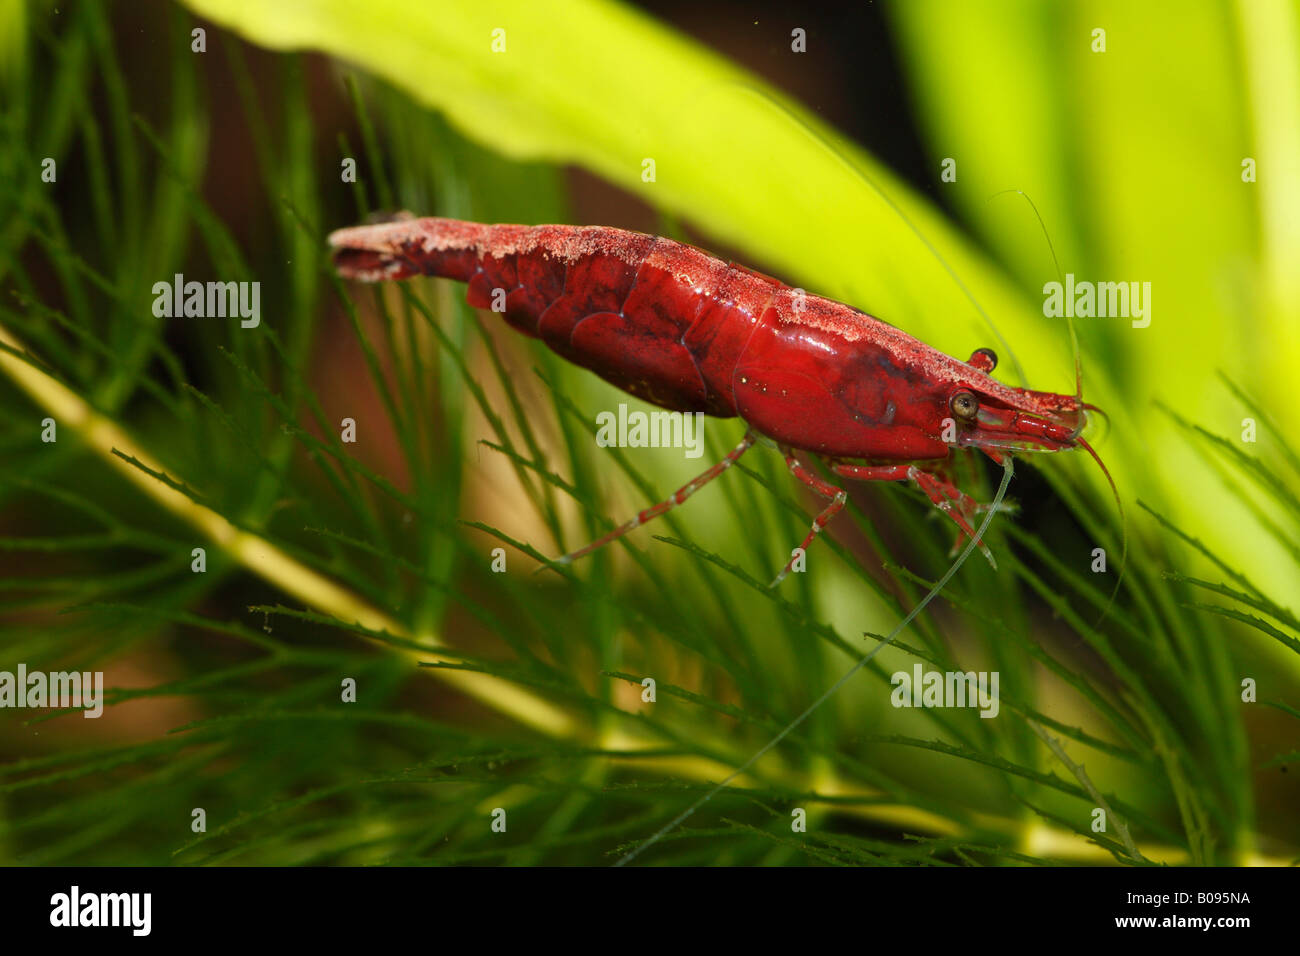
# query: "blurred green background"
x,y
225,163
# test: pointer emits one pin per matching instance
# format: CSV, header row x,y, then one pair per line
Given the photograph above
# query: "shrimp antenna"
x,y
1069,320
1123,528
827,144
1007,471
1078,395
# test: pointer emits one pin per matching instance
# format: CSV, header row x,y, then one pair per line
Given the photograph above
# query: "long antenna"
x,y
1078,397
1069,319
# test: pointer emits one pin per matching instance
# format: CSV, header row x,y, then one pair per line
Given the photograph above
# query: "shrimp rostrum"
x,y
689,332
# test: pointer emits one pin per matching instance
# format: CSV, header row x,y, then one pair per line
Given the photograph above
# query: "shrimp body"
x,y
687,331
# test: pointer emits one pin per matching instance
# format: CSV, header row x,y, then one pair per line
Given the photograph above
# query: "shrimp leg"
x,y
942,492
682,493
835,495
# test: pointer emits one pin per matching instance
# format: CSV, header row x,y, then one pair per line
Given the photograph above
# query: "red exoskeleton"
x,y
691,333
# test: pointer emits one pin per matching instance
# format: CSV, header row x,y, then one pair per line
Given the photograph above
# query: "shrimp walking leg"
x,y
946,496
680,495
835,495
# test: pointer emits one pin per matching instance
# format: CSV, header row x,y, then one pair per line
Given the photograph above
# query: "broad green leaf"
x,y
1134,155
746,168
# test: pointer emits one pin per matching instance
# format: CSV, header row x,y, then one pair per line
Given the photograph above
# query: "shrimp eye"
x,y
964,405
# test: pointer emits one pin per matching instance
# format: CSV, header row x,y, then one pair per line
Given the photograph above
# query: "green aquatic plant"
x,y
331,567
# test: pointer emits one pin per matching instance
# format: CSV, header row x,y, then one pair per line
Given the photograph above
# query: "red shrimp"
x,y
686,331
